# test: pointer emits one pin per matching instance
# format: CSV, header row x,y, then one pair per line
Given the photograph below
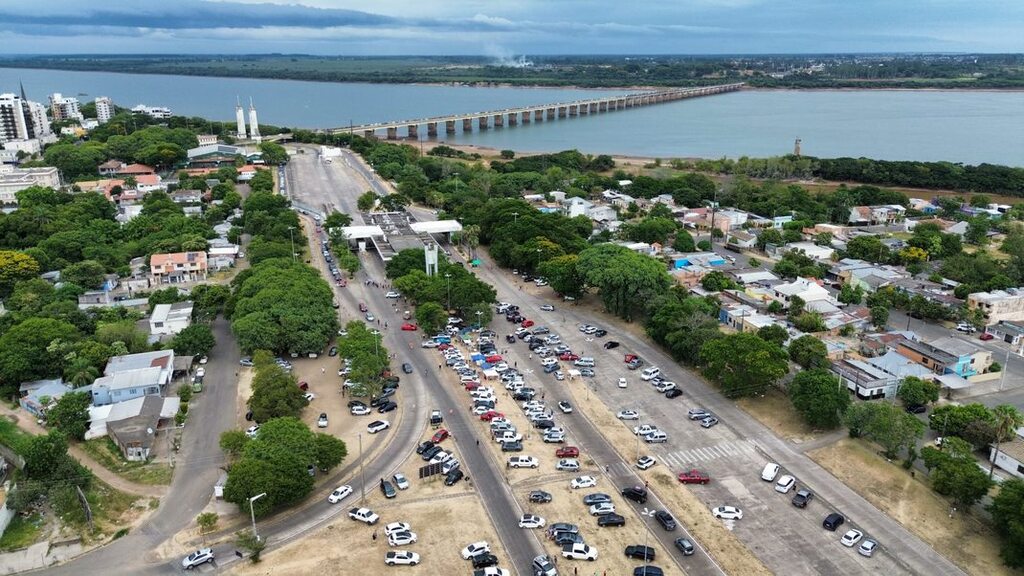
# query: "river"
x,y
971,127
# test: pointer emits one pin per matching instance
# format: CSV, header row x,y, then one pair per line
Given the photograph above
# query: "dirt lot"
x,y
775,411
963,539
445,519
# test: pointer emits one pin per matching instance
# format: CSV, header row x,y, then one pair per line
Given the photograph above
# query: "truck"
x,y
436,419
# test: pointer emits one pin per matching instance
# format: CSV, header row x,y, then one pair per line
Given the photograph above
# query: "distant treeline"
x,y
987,178
811,71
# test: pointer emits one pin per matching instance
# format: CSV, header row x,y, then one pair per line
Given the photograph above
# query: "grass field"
x,y
106,453
21,532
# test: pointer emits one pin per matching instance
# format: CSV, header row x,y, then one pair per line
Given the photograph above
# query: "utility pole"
x,y
362,471
448,279
292,237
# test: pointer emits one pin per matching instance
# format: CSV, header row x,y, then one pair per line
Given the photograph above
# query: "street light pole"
x,y
252,514
478,324
515,218
448,279
1006,366
362,472
292,237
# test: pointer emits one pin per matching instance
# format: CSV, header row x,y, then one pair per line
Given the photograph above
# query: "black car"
x,y
673,393
485,560
426,445
684,546
635,493
333,351
802,497
407,368
522,395
248,415
640,552
611,344
430,453
388,489
596,498
611,520
647,571
563,538
540,497
833,521
452,477
917,409
535,344
544,424
354,403
510,447
510,339
665,519
601,333
387,407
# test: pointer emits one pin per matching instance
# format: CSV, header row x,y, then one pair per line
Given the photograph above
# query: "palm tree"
x,y
1007,420
80,372
471,236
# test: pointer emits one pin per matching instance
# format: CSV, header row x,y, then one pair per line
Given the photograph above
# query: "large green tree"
x,y
15,267
819,397
1007,509
71,414
808,352
275,394
914,391
26,351
564,275
626,279
743,364
431,317
683,324
194,340
887,425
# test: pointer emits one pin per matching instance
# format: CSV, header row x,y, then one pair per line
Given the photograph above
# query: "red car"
x,y
494,358
409,327
472,385
491,415
568,356
444,346
567,452
527,323
303,386
439,436
694,477
986,336
362,307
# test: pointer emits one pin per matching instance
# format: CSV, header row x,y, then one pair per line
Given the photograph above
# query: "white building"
x,y
999,305
577,207
32,146
14,180
808,290
64,108
152,111
21,119
104,109
811,249
169,319
1010,456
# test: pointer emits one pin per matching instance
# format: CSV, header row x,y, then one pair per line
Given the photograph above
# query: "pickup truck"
x,y
435,418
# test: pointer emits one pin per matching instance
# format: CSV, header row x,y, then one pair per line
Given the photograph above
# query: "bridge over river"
x,y
525,115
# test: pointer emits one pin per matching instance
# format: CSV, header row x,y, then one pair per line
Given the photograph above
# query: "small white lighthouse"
x,y
240,119
254,126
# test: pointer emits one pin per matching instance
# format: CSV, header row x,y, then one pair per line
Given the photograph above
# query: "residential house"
x,y
135,170
135,435
868,215
810,249
178,267
734,315
807,289
145,183
999,305
922,205
741,239
223,256
753,276
577,207
1010,455
38,395
1010,332
705,259
971,358
937,360
163,359
170,319
867,381
126,385
186,196
102,417
928,290
602,213
110,167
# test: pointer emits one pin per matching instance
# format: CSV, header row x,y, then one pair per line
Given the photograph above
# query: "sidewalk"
x,y
26,422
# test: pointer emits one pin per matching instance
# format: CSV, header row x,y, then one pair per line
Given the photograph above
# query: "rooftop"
x,y
158,358
929,351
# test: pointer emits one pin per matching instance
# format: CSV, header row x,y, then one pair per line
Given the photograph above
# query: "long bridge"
x,y
525,115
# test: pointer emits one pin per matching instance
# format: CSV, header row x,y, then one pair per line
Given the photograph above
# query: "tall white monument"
x,y
240,119
254,126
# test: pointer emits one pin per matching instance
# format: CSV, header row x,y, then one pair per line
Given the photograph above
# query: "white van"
x,y
649,373
771,470
656,437
585,362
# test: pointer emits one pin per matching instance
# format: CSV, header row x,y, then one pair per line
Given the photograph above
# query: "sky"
x,y
504,28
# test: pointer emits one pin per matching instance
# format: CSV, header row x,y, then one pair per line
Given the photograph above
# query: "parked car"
x,y
197,558
833,521
363,515
694,476
484,560
388,489
475,549
602,508
867,548
401,557
540,497
402,538
453,477
785,484
583,482
627,414
802,498
637,494
727,513
339,494
851,538
378,426
645,462
567,452
579,552
531,521
685,546
638,552
401,481
439,436
611,520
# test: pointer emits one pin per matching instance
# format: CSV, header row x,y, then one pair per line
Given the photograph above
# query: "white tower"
x,y
430,259
240,118
254,126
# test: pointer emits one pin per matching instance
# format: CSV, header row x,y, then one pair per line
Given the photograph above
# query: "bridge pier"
x,y
622,103
573,110
413,131
525,117
562,111
499,120
593,108
367,133
538,115
449,127
431,129
513,118
467,125
393,133
551,114
482,123
584,109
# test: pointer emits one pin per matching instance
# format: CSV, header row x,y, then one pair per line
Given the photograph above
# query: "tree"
x,y
626,279
206,521
953,419
209,300
954,472
508,154
1007,509
868,248
743,364
819,397
80,371
808,352
683,324
850,294
716,281
15,267
71,414
330,451
809,322
773,333
683,242
367,201
1007,420
25,350
431,317
233,442
775,307
914,391
194,340
273,153
275,394
247,540
879,317
47,459
563,275
893,429
337,220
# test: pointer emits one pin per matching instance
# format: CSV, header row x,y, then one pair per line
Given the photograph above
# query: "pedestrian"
x,y
374,536
606,469
531,356
515,364
575,570
323,370
541,395
478,442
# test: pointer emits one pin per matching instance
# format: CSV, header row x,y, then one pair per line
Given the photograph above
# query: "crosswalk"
x,y
686,459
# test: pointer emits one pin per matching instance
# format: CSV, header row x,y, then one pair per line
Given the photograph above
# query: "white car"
x,y
200,372
785,484
727,513
359,410
363,515
579,551
531,521
403,557
440,458
628,415
547,308
664,386
253,431
645,462
339,494
851,538
201,556
204,360
602,508
401,538
522,462
309,396
401,481
396,527
481,410
321,422
867,548
392,294
429,344
644,430
377,426
565,407
493,571
568,464
583,482
622,382
475,549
